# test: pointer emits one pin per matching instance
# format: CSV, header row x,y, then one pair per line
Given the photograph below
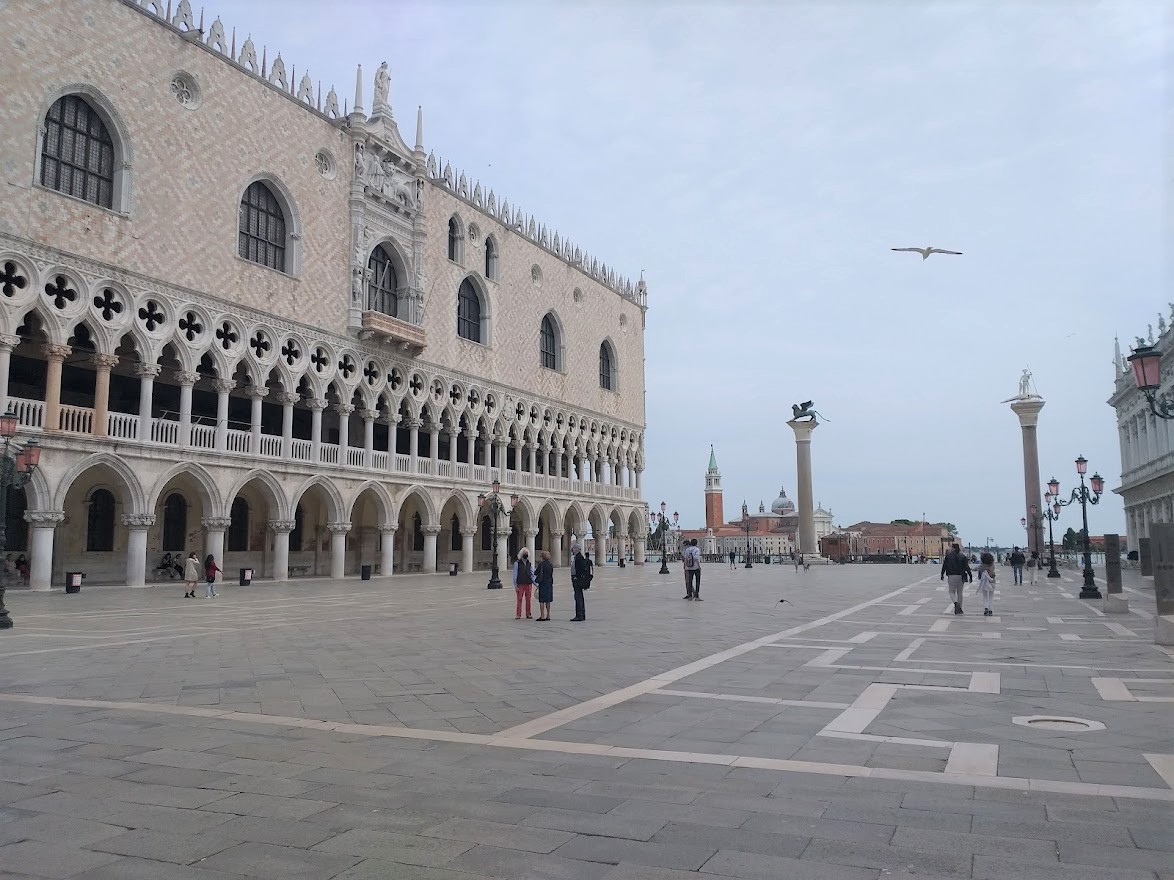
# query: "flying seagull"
x,y
788,601
926,251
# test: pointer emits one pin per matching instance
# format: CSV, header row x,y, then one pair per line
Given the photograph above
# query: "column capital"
x,y
430,530
531,534
224,386
388,528
469,433
413,423
256,392
338,528
368,415
316,404
186,377
468,533
282,525
554,534
451,432
147,371
104,361
44,518
287,398
9,342
55,352
138,521
215,523
344,409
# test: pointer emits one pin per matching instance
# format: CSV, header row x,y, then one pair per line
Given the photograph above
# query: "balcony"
x,y
393,332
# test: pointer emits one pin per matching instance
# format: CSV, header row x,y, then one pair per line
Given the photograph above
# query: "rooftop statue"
x,y
805,410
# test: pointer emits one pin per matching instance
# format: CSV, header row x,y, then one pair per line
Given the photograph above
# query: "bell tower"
x,y
713,494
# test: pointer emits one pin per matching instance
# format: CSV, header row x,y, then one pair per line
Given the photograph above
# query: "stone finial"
x,y
331,108
248,55
357,107
216,38
306,90
183,16
419,128
277,74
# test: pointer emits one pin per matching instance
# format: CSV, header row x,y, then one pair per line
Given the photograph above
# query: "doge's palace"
x,y
244,320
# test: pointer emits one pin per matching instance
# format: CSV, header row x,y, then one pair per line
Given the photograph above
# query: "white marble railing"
x,y
354,456
329,453
203,437
29,413
424,466
403,463
237,441
122,426
165,431
271,445
76,419
301,450
379,460
444,469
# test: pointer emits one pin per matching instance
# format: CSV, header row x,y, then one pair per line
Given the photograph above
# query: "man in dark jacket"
x,y
580,574
1017,560
956,572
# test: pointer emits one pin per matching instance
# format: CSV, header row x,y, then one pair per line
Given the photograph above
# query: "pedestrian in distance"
x,y
797,559
691,559
544,576
986,584
191,575
956,572
523,582
1033,565
211,569
1017,560
580,577
733,556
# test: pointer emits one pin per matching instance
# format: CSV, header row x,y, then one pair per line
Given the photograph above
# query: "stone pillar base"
x,y
1164,629
1115,603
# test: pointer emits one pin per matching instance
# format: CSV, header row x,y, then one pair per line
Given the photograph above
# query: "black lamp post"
x,y
746,526
495,507
662,528
1085,497
1052,512
1147,373
16,468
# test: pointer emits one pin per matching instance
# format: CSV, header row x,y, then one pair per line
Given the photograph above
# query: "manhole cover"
x,y
1048,722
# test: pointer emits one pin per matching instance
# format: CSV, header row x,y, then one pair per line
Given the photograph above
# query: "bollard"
x,y
1115,601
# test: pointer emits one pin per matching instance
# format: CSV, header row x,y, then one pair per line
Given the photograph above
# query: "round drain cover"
x,y
1052,722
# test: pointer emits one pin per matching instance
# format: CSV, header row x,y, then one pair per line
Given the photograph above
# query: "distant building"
x,y
889,539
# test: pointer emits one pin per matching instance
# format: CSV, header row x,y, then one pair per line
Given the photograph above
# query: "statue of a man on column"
x,y
1025,384
382,87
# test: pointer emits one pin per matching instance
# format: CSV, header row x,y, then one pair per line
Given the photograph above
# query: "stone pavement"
x,y
411,728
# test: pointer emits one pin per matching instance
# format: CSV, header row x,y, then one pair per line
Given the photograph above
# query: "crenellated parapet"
x,y
514,218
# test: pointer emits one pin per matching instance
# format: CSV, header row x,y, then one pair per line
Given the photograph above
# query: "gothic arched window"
x,y
607,367
382,284
261,232
469,312
417,532
295,537
548,344
454,239
100,522
491,258
175,522
455,539
77,152
238,528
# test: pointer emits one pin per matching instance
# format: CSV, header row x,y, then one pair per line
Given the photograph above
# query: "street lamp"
x,y
661,526
495,507
746,526
1052,512
1147,373
16,469
1085,497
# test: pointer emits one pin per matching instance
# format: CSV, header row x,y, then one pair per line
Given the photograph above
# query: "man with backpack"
x,y
691,559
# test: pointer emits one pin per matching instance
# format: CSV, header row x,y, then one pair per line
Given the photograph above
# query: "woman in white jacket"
x,y
986,583
191,574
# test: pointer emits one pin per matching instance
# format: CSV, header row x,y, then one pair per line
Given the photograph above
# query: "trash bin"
x,y
246,577
73,581
766,560
365,573
623,564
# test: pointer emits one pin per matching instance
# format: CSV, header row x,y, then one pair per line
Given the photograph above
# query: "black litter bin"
x,y
73,581
623,564
452,569
766,560
364,572
246,577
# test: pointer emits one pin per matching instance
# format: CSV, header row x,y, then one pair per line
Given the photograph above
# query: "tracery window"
x,y
548,344
261,232
454,239
382,284
77,152
491,259
606,367
468,312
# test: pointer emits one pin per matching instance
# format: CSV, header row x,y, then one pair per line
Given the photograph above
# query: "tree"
x,y
949,527
902,522
1070,541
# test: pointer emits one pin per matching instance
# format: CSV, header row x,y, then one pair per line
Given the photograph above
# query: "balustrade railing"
x,y
238,441
328,453
203,437
445,469
271,445
300,451
76,419
403,463
165,431
424,466
29,413
122,426
379,460
355,456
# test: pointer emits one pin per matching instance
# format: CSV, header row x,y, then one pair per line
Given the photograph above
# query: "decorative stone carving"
x,y
277,74
430,530
306,90
315,404
224,386
344,409
44,518
248,56
256,392
282,525
382,87
331,108
56,352
338,528
287,398
183,16
148,371
104,361
215,523
186,377
138,521
216,38
387,528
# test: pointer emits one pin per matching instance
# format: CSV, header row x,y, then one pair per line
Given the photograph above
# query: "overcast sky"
x,y
758,160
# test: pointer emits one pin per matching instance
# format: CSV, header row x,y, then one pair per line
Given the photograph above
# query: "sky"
x,y
758,160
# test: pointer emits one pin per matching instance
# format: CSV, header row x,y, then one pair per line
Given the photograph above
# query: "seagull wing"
x,y
934,250
909,250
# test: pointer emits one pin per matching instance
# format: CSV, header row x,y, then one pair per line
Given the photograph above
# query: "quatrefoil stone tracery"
x,y
319,360
227,336
291,352
371,373
151,315
60,293
108,304
346,366
190,326
260,345
11,280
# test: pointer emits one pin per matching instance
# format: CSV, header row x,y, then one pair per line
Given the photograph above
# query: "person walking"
x,y
691,559
191,574
733,556
580,574
797,559
956,572
544,576
986,583
1017,559
1033,565
523,582
211,569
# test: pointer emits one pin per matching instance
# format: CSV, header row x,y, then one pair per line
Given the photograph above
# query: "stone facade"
x,y
299,420
1147,442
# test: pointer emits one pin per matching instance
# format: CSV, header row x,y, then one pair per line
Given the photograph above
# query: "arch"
x,y
423,500
276,499
121,151
456,239
637,524
237,536
210,502
384,502
100,504
175,522
491,258
260,244
525,511
473,310
550,342
333,496
466,507
385,268
608,366
118,467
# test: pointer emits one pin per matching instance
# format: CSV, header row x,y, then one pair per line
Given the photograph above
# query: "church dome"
x,y
783,505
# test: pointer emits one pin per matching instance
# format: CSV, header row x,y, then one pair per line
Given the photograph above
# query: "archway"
x,y
598,521
550,522
617,543
94,537
453,545
575,528
322,536
371,513
180,501
416,531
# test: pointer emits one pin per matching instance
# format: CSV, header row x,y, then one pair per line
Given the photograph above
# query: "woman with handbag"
x,y
210,571
544,575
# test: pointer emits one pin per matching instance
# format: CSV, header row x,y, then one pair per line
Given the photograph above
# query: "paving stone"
x,y
1042,851
535,797
1110,833
536,840
511,864
888,858
377,869
832,829
1116,856
269,807
264,861
409,849
50,859
52,828
146,869
995,868
179,848
753,866
595,824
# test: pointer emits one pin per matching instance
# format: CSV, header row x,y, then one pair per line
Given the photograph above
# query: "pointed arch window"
x,y
77,152
607,367
238,528
469,312
454,239
417,532
175,522
261,231
454,542
100,522
295,537
383,283
491,258
548,344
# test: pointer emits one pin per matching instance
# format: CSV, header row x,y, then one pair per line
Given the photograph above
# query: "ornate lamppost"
x,y
1085,497
16,468
746,526
1147,373
1052,512
495,507
659,525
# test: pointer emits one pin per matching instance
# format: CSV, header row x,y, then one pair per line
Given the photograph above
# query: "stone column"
x,y
386,550
214,527
338,532
556,549
530,536
503,550
470,448
368,416
281,529
186,379
42,524
392,439
1115,601
1027,408
255,393
413,425
638,550
55,355
434,447
430,533
452,451
344,411
601,546
136,546
7,344
501,459
806,502
223,389
639,478
467,549
315,405
287,399
103,364
146,374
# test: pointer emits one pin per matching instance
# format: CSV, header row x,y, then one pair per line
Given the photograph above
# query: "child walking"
x,y
986,583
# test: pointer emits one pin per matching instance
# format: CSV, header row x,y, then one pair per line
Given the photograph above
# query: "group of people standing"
x,y
528,575
191,574
956,572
